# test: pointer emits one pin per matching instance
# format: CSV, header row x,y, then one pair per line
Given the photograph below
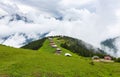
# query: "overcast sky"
x,y
90,20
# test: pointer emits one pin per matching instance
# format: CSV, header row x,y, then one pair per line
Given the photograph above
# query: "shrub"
x,y
117,60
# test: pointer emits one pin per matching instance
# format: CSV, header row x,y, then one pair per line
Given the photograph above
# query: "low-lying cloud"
x,y
90,20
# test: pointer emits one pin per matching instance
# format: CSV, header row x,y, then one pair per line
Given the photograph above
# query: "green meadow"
x,y
45,63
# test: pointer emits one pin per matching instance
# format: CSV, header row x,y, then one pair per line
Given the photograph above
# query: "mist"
x,y
89,20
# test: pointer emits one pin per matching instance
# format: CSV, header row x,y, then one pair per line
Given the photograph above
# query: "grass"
x,y
44,63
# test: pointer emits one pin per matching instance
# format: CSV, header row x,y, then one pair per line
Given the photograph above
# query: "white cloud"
x,y
73,3
2,12
9,8
89,20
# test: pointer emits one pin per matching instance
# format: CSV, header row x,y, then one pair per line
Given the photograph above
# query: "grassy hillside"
x,y
44,63
80,47
74,45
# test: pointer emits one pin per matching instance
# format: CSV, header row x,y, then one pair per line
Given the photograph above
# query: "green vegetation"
x,y
78,46
35,45
44,63
117,59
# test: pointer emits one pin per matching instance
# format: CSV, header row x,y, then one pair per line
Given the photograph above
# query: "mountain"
x,y
17,62
112,46
20,19
74,45
20,16
15,18
20,39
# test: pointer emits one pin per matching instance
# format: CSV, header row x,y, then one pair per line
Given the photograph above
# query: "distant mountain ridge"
x,y
12,15
20,39
112,46
16,17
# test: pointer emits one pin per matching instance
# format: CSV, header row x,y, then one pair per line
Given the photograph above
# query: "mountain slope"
x,y
16,19
81,48
28,63
20,39
72,44
112,46
35,45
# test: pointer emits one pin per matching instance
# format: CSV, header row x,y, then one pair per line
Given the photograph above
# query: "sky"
x,y
89,20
